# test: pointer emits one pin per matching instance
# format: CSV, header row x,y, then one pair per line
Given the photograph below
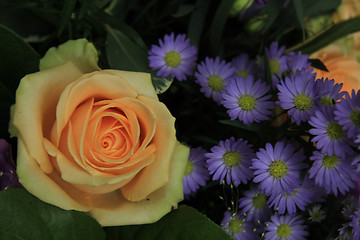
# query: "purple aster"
x,y
330,138
236,226
286,227
347,113
243,65
254,206
174,57
296,62
277,61
317,214
329,91
230,161
196,174
213,76
334,173
355,220
247,100
8,176
298,95
277,169
299,197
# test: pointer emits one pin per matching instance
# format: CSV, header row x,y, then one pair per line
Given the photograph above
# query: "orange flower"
x,y
343,69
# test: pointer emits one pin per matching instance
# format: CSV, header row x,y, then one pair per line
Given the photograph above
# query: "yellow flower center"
x,y
283,231
327,101
247,102
330,161
172,59
274,66
335,131
242,73
216,83
259,200
235,225
278,169
355,117
231,159
302,102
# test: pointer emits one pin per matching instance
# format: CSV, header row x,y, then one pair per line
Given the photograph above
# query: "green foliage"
x,y
23,216
183,223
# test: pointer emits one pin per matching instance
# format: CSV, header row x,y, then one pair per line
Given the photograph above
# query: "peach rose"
x,y
343,69
97,140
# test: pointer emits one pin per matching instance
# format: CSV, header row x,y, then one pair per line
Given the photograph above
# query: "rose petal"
x,y
138,80
155,175
97,84
43,186
34,113
148,210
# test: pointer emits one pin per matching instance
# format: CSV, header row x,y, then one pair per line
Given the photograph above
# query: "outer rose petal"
x,y
156,205
34,113
82,53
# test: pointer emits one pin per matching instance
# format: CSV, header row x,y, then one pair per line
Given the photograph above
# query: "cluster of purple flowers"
x,y
282,177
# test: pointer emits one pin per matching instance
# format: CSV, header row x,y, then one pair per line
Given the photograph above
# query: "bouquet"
x,y
233,119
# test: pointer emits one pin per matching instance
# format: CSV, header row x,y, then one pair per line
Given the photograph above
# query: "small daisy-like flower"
x,y
298,95
317,214
247,100
332,172
236,226
230,161
174,57
300,197
355,220
243,65
277,169
345,232
328,91
213,76
195,172
286,227
277,61
329,135
347,113
254,206
297,62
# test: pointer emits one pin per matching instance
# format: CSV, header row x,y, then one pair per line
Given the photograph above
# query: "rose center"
x,y
215,83
330,161
231,159
172,59
278,169
355,117
335,131
283,231
247,102
302,102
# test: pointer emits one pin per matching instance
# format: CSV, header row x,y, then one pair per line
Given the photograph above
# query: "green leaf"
x,y
161,84
17,58
252,128
299,9
183,223
316,8
335,32
317,63
183,10
69,6
24,216
197,20
271,11
123,53
217,25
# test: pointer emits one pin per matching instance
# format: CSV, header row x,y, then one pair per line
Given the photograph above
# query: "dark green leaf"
x,y
335,32
183,10
316,8
299,9
66,13
217,25
271,11
252,128
317,63
161,84
17,59
180,224
24,216
124,54
197,21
